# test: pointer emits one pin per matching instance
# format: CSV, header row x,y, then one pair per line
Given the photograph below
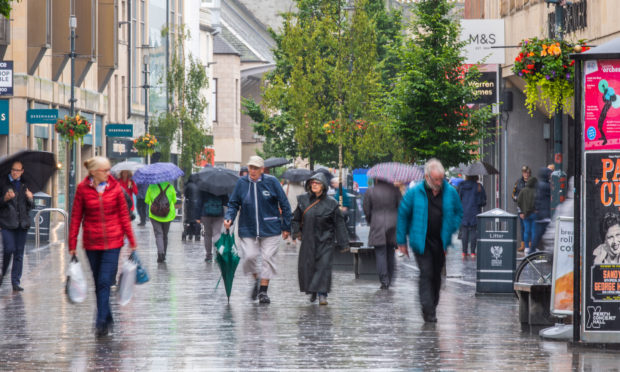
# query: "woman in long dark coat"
x,y
319,223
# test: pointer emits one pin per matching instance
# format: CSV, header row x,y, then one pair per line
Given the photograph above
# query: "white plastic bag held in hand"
x,y
127,282
76,282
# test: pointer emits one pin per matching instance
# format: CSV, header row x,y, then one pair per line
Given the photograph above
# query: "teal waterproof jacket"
x,y
413,217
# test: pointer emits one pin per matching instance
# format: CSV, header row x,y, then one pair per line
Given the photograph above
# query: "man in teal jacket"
x,y
429,213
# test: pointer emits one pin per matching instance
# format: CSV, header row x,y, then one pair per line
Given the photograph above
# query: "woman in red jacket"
x,y
99,206
127,183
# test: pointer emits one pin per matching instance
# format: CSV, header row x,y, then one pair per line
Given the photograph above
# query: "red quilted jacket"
x,y
105,217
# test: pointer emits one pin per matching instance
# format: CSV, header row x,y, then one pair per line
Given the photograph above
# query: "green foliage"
x,y
187,107
428,105
5,7
276,129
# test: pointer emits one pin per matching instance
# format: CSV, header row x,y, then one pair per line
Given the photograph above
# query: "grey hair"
x,y
433,165
96,162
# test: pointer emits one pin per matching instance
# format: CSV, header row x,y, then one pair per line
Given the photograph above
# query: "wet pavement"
x,y
179,321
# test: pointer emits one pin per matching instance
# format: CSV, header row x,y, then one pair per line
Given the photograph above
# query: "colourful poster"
x,y
602,105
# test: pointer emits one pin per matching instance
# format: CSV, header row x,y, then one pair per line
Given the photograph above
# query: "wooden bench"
x,y
534,301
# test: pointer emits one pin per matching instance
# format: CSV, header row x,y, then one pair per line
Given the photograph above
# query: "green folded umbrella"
x,y
227,259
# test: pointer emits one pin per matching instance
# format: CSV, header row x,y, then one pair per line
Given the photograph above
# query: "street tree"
x,y
187,106
429,102
6,7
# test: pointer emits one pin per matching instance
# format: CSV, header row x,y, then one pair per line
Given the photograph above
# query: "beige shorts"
x,y
251,248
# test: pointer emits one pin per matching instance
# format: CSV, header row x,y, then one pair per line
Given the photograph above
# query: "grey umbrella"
x,y
131,166
480,168
276,162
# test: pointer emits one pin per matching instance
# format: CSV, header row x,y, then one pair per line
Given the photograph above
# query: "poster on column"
x,y
601,247
602,104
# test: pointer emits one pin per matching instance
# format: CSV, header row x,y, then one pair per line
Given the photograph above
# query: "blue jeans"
x,y
13,242
104,265
528,230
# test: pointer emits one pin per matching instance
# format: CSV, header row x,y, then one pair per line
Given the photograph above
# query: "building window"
x,y
213,106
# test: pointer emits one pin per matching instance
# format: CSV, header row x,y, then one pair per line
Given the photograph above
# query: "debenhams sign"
x,y
481,35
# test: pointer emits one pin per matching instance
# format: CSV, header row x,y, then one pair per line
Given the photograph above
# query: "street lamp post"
x,y
146,86
71,153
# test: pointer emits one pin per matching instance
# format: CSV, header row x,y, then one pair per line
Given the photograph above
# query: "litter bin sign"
x,y
41,201
497,251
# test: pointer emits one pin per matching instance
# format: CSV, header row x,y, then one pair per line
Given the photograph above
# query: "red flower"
x,y
572,62
531,67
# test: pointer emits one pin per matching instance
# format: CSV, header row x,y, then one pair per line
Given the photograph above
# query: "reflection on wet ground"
x,y
179,321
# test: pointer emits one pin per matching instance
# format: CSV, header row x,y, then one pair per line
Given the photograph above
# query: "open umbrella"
x,y
297,174
227,259
39,167
131,166
480,168
276,162
156,173
325,172
396,172
217,181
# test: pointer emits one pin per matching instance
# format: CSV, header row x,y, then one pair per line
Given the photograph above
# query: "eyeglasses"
x,y
103,170
16,170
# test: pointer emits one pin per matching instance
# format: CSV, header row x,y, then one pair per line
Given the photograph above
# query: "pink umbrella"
x,y
396,172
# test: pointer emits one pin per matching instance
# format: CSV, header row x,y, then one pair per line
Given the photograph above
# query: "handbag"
x,y
141,275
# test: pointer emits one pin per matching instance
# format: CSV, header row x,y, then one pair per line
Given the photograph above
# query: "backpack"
x,y
213,207
161,205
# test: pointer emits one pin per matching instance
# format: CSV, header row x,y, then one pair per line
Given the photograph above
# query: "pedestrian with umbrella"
x,y
319,224
99,208
161,198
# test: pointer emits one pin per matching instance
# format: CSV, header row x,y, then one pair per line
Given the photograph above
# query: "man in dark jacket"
x,y
211,215
141,204
526,172
381,209
191,211
542,204
15,205
473,198
265,214
527,212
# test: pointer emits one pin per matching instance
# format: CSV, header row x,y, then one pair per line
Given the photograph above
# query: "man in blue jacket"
x,y
265,214
429,213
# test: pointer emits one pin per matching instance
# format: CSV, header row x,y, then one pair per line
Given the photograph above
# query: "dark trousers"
x,y
430,264
539,231
469,237
13,242
385,263
142,211
104,265
161,235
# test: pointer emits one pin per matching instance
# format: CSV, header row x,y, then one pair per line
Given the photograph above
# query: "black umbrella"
x,y
480,168
217,181
39,167
276,162
297,174
326,172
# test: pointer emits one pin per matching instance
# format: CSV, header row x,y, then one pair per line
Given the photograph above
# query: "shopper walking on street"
x,y
526,173
259,198
99,207
16,202
542,204
319,224
142,204
429,213
159,220
473,198
212,218
381,209
526,202
128,185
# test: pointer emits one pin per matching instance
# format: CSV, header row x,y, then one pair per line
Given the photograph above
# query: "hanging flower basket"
x,y
72,128
548,71
146,144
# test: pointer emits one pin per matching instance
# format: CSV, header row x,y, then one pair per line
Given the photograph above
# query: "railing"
x,y
37,236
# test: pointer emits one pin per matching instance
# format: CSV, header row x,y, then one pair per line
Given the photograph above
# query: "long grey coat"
x,y
381,209
322,231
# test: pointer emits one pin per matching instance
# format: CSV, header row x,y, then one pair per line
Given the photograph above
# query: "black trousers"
x,y
469,237
142,211
385,263
430,264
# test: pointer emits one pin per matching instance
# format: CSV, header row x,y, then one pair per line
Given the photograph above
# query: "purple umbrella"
x,y
396,172
157,173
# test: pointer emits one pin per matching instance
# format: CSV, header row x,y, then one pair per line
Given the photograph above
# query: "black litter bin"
x,y
41,201
497,251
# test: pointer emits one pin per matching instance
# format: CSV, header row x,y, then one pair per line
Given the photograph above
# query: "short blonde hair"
x,y
96,162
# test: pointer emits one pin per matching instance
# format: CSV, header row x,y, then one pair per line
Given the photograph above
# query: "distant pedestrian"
x,y
381,209
243,171
100,208
564,209
473,198
527,212
526,172
542,205
191,211
141,203
264,215
212,218
429,214
15,205
128,185
319,224
292,191
161,224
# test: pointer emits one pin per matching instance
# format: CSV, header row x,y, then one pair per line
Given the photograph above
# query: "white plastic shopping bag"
x,y
75,287
127,282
